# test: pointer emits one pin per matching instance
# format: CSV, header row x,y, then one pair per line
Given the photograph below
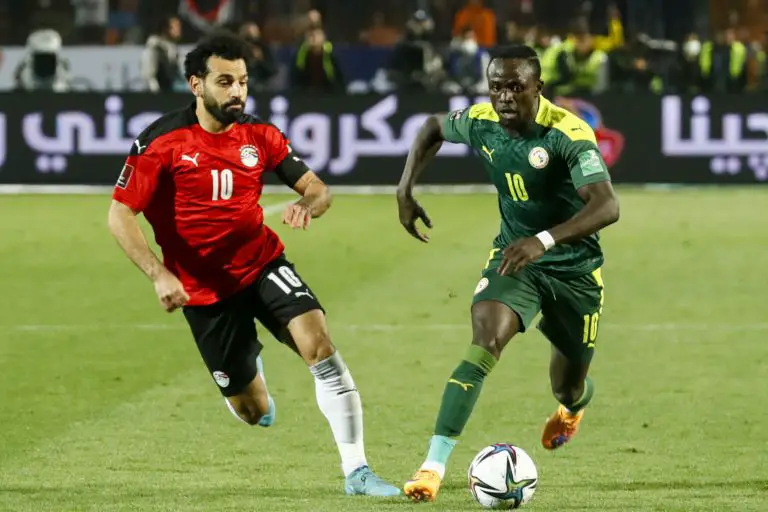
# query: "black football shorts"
x,y
225,331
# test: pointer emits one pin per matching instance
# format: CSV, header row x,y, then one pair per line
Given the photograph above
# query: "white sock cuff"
x,y
329,368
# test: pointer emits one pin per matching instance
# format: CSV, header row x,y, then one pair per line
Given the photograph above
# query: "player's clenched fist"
x,y
297,216
170,291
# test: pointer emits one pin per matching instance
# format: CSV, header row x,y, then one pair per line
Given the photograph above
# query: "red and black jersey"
x,y
200,193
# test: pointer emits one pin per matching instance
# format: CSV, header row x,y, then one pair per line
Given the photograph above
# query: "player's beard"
x,y
223,113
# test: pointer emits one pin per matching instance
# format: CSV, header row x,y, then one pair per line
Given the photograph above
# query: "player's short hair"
x,y
517,51
222,44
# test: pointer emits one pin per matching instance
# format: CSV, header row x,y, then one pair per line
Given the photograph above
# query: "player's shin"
x,y
339,401
459,398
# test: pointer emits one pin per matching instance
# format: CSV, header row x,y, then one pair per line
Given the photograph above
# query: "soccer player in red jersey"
x,y
197,176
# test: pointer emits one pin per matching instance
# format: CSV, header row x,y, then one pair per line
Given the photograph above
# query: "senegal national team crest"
x,y
538,158
249,156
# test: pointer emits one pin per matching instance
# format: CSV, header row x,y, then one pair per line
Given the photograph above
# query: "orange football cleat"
x,y
423,486
560,428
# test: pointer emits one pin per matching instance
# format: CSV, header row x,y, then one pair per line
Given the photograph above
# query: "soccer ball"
x,y
502,476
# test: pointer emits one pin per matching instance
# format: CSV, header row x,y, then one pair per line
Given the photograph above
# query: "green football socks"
x,y
459,398
586,397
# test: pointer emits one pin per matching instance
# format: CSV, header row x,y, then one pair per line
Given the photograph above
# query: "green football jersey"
x,y
537,174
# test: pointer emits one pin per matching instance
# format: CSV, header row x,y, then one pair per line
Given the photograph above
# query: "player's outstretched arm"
x,y
125,228
315,201
424,148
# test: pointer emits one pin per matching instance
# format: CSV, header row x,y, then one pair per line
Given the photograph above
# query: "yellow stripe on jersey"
x,y
483,111
598,275
560,119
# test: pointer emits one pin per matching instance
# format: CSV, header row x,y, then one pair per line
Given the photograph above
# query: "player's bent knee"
x,y
318,349
490,334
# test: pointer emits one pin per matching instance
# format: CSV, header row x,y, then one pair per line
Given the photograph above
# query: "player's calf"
x,y
339,401
253,405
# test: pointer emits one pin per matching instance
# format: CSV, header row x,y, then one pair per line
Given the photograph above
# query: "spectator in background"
x,y
315,66
481,19
415,63
467,65
160,61
760,49
582,69
307,22
380,33
43,67
91,17
262,66
723,64
688,71
633,68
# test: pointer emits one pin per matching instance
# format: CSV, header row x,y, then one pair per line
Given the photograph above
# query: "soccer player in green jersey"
x,y
554,196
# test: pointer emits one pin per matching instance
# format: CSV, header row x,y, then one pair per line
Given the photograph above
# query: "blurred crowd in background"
x,y
358,46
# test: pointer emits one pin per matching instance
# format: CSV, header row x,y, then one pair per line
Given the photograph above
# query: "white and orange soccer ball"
x,y
502,476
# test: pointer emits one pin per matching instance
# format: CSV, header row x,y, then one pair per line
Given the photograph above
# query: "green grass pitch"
x,y
106,404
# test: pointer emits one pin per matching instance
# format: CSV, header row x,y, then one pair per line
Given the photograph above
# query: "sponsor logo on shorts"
x,y
221,378
482,285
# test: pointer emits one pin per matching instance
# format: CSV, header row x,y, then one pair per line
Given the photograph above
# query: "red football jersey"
x,y
200,193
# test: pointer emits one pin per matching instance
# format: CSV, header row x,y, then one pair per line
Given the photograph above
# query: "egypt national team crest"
x,y
249,156
538,158
221,378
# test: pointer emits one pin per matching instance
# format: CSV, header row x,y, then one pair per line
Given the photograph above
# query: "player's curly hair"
x,y
223,44
517,51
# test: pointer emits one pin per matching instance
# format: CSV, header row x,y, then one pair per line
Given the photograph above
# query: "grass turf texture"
x,y
107,406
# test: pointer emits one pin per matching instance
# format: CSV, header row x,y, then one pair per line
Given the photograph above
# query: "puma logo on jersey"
x,y
139,147
463,385
305,294
192,159
489,153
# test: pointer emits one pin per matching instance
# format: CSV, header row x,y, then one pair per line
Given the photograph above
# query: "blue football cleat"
x,y
269,418
363,481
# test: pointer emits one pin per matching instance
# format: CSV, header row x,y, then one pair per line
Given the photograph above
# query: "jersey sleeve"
x,y
582,156
277,147
457,127
139,177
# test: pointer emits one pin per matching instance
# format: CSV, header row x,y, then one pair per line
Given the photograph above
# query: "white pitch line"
x,y
391,327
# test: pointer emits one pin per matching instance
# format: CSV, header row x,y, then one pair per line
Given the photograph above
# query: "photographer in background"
x,y
43,68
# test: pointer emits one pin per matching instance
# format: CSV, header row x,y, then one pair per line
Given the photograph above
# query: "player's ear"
x,y
539,86
196,85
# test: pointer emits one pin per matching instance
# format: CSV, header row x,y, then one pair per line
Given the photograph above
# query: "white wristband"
x,y
546,240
